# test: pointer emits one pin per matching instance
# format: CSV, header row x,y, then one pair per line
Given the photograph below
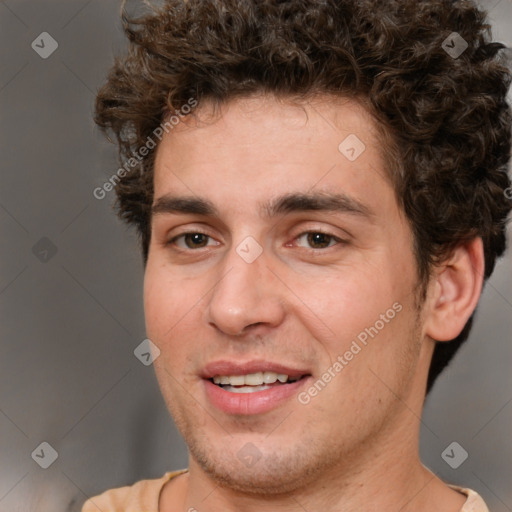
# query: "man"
x,y
320,189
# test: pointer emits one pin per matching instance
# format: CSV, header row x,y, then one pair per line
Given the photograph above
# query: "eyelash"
x,y
332,237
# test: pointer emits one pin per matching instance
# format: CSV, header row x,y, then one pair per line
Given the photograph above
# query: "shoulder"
x,y
143,496
474,502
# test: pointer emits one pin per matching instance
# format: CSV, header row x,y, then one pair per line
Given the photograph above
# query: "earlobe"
x,y
455,291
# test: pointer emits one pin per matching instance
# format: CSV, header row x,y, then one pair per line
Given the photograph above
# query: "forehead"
x,y
264,145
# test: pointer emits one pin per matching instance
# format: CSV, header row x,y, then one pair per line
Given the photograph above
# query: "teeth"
x,y
237,380
269,377
252,379
245,389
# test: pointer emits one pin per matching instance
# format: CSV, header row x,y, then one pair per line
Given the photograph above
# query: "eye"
x,y
198,240
318,239
193,240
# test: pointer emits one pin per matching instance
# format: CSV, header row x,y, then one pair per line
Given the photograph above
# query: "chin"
x,y
273,474
257,483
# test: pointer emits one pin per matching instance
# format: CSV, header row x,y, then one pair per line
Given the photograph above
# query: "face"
x,y
278,249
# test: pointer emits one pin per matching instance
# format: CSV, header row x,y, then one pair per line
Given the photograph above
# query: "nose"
x,y
247,295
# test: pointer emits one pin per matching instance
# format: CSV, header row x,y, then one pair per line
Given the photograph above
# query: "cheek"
x,y
167,302
365,318
154,303
174,315
337,309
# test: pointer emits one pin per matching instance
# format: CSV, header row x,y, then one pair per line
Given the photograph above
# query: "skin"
x,y
354,446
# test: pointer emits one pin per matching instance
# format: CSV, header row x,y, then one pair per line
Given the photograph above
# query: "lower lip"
x,y
252,403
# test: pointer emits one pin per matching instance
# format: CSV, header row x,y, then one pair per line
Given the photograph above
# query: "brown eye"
x,y
318,240
192,241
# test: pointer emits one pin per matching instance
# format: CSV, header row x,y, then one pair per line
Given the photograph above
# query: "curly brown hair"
x,y
447,117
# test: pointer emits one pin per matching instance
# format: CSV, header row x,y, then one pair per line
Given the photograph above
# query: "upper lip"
x,y
227,368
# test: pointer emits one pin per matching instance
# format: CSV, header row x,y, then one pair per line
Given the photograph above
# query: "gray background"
x,y
69,325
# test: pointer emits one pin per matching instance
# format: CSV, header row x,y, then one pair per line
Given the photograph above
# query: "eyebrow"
x,y
287,203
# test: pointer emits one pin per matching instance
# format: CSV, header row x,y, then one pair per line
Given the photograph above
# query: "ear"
x,y
454,291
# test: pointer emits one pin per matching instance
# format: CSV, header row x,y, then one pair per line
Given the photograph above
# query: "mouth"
x,y
252,388
253,382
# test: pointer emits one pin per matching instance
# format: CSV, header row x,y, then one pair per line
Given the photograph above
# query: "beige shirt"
x,y
144,495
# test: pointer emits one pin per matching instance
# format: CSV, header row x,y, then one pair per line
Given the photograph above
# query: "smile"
x,y
252,382
253,387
